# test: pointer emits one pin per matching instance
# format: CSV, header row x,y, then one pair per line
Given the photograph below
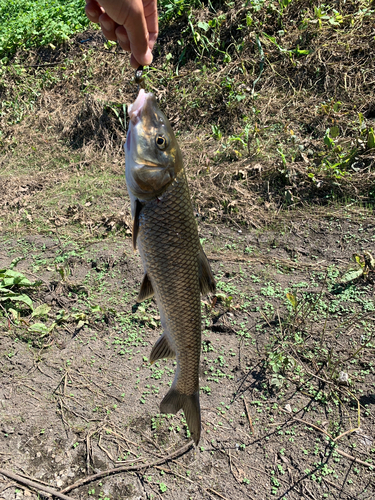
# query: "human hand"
x,y
133,23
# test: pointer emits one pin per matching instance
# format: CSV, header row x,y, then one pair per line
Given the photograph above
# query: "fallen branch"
x,y
34,485
109,472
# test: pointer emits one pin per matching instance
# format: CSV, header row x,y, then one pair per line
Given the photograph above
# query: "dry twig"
x,y
33,484
108,472
249,417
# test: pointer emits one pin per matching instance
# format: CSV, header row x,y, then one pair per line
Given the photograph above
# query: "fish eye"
x,y
161,142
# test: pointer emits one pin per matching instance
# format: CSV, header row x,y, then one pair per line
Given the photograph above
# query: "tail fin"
x,y
175,400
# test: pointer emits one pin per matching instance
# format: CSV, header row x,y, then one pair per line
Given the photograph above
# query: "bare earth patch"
x,y
83,398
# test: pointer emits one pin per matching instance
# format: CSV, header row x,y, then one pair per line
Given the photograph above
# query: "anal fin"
x,y
161,349
206,278
146,291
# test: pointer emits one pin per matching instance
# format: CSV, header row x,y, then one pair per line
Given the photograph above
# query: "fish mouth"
x,y
135,109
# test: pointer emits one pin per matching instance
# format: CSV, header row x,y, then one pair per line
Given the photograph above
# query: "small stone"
x,y
343,378
288,408
59,482
283,459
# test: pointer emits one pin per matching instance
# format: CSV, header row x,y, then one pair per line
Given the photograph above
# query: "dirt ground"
x,y
83,398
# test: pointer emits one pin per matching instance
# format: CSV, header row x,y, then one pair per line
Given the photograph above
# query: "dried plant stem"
x,y
108,472
249,417
34,485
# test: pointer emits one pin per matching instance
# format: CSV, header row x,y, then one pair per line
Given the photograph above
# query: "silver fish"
x,y
176,269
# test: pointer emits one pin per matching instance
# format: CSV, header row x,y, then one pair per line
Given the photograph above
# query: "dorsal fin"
x,y
138,208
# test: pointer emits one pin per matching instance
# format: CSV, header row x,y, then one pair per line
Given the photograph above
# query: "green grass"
x,y
28,24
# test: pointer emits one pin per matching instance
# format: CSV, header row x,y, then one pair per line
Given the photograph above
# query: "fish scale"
x,y
170,252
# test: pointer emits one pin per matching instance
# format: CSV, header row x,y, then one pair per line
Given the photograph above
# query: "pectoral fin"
x,y
206,278
138,208
161,349
146,291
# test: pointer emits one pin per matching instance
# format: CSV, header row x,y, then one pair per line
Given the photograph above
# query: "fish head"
x,y
153,157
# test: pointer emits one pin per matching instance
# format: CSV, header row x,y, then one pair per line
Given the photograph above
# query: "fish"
x,y
176,269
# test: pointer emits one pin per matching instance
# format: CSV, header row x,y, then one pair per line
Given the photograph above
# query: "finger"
x,y
108,27
137,32
93,11
130,14
123,38
134,63
151,16
152,40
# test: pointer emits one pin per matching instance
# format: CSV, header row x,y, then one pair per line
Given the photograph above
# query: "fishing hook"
x,y
138,78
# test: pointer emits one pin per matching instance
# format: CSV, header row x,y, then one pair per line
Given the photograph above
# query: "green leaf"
x,y
14,313
352,275
328,141
334,131
292,299
39,328
221,296
371,139
15,262
11,278
17,298
357,259
41,310
302,52
204,26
